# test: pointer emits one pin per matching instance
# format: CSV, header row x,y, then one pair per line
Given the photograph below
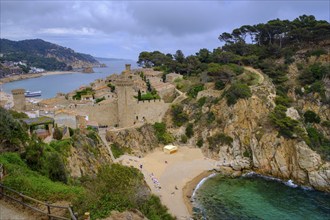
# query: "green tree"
x,y
190,130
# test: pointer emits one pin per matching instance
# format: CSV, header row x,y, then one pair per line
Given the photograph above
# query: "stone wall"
x,y
150,111
68,120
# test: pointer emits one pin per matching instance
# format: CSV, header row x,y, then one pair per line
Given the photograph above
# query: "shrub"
x,y
287,126
313,73
219,139
184,138
318,142
112,87
237,91
311,117
219,85
283,100
117,151
179,117
189,130
200,142
194,90
210,117
99,99
162,135
326,124
201,101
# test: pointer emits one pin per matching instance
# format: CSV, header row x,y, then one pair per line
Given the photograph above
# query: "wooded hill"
x,y
42,54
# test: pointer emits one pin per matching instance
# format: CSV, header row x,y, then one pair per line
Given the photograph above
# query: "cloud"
x,y
125,28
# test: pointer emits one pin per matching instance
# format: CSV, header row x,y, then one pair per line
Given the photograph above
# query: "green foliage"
x,y
36,52
237,91
194,90
178,115
184,138
283,100
112,87
311,117
287,126
318,142
86,91
219,85
118,150
154,210
12,135
162,135
149,96
316,52
219,139
201,101
277,72
99,99
200,142
119,187
314,73
249,78
18,115
190,130
31,183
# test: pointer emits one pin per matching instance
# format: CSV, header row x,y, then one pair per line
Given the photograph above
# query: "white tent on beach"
x,y
170,149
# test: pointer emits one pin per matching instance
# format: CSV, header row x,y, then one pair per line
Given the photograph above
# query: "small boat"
x,y
32,94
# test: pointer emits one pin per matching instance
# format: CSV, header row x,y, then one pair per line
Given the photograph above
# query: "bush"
x,y
194,90
283,100
201,101
237,91
99,99
287,126
313,73
179,117
311,117
200,142
184,138
219,139
219,85
210,117
189,130
162,135
318,142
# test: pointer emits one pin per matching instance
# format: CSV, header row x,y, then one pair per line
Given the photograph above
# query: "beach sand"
x,y
169,179
57,73
33,75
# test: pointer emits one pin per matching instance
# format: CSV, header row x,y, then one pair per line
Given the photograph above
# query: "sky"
x,y
123,29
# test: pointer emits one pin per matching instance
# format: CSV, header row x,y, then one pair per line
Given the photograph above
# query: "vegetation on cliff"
x,y
43,171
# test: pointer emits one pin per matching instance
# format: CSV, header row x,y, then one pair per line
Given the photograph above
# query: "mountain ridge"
x,y
43,54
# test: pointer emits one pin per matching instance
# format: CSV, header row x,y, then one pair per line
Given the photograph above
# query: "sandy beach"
x,y
33,75
168,174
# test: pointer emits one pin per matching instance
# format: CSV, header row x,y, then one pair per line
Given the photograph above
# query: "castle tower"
x,y
128,67
19,99
125,93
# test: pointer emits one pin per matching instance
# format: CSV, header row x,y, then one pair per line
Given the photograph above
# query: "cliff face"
x,y
256,143
139,140
86,156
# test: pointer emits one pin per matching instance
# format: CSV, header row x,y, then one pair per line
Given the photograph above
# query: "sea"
x,y
52,84
258,197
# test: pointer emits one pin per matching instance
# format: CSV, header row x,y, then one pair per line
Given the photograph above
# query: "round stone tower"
x,y
19,99
125,93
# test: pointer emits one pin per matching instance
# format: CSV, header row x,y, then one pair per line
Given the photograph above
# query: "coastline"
x,y
13,78
173,177
189,188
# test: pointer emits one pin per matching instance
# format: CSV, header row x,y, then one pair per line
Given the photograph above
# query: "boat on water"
x,y
32,94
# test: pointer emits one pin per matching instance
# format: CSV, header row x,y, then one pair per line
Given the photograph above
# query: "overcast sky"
x,y
122,29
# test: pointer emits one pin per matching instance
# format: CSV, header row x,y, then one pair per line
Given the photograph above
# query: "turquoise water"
x,y
52,84
254,197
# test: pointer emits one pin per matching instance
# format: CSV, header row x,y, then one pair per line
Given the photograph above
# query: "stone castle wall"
x,y
150,111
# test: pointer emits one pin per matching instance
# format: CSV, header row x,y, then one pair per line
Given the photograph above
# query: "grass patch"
x,y
21,178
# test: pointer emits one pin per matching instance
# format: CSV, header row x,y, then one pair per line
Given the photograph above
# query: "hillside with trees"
x,y
42,54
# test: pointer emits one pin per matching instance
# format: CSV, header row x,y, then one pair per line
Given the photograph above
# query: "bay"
x,y
52,84
254,197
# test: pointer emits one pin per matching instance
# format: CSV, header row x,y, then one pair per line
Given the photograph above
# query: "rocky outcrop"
x,y
256,143
86,156
140,140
